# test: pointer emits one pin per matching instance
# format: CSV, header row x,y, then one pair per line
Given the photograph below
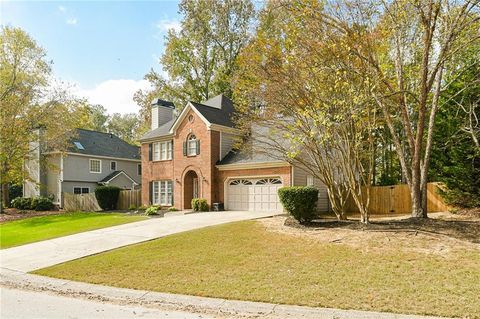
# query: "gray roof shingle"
x,y
103,144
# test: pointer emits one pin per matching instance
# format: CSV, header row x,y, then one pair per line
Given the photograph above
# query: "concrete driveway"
x,y
54,251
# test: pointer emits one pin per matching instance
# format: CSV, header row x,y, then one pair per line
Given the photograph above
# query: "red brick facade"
x,y
210,179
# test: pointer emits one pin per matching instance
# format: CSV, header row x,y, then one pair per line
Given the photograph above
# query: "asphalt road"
x,y
20,304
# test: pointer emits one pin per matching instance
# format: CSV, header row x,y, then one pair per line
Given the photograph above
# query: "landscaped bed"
x,y
265,260
19,232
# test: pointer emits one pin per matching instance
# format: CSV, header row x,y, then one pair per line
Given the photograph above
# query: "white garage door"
x,y
255,194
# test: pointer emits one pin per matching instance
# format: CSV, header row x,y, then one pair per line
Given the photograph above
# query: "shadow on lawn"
x,y
458,229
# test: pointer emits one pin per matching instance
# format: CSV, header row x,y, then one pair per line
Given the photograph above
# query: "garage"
x,y
254,194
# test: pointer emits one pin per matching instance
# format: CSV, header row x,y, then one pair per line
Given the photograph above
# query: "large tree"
x,y
28,101
308,111
125,126
200,58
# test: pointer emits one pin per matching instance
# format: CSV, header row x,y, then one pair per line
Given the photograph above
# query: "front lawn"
x,y
245,261
34,229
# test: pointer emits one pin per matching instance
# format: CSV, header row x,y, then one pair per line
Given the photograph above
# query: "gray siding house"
x,y
92,159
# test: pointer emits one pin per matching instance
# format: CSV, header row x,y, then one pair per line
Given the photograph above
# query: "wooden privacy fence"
x,y
75,202
129,198
396,199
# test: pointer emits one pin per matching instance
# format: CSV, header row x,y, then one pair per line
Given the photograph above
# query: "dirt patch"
x,y
432,236
10,214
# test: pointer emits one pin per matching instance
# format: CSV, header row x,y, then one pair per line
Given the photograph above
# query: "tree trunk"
x,y
3,196
418,199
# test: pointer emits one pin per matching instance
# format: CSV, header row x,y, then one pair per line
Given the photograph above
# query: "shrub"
x,y
299,201
132,207
199,204
22,203
152,210
107,196
172,209
15,191
42,203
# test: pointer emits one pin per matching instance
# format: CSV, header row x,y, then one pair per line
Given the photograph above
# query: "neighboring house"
x,y
92,159
192,156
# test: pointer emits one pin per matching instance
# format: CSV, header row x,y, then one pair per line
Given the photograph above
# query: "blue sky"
x,y
103,48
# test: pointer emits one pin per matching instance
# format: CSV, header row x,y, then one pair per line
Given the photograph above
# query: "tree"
x,y
200,58
28,101
92,117
404,48
308,111
455,147
125,126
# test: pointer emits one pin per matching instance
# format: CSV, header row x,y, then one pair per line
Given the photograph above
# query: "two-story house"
x,y
191,156
92,159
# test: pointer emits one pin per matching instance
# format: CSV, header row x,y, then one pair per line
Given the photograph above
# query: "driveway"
x,y
46,253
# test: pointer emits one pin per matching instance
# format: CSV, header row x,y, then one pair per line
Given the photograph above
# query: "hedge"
x,y
300,202
39,203
199,204
107,196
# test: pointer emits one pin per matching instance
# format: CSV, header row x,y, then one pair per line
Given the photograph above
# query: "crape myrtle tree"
x,y
404,49
28,102
307,109
199,59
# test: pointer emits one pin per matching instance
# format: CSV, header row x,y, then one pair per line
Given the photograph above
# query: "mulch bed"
x,y
10,214
458,229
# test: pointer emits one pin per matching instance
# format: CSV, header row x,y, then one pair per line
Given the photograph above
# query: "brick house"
x,y
191,156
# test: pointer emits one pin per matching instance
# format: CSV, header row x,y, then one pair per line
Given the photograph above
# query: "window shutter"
x,y
184,148
150,155
198,147
150,192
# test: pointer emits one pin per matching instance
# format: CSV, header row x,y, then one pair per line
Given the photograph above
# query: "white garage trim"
x,y
227,181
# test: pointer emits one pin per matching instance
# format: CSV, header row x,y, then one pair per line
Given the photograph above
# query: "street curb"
x,y
215,306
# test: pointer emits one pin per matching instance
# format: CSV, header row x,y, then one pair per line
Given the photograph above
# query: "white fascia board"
x,y
183,114
121,172
230,167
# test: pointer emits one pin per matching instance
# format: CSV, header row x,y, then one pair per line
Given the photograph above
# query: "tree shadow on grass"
x,y
458,229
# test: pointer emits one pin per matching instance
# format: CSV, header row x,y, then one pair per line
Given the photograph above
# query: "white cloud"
x,y
115,95
166,24
71,21
62,9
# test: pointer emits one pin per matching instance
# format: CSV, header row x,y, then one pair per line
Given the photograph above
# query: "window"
x,y
139,169
162,151
113,165
81,190
95,166
309,180
241,182
162,193
79,145
192,145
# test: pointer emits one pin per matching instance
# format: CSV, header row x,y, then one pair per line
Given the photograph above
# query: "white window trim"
x,y
116,165
310,180
168,199
157,150
194,148
73,190
90,165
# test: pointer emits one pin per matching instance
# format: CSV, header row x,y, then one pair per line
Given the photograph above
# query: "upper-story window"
x,y
139,169
310,180
113,165
192,145
162,151
95,166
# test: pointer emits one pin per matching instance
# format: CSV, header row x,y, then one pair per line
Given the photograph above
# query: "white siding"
x,y
227,141
300,179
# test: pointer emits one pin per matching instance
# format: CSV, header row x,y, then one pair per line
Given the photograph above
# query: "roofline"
x,y
115,176
184,113
93,155
156,138
235,166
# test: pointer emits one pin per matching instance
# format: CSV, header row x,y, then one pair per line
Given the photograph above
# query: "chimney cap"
x,y
164,103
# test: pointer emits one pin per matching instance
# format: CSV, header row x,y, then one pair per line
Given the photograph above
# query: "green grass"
x,y
34,229
243,261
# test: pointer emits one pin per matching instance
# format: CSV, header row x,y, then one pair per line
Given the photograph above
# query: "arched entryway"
x,y
191,189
